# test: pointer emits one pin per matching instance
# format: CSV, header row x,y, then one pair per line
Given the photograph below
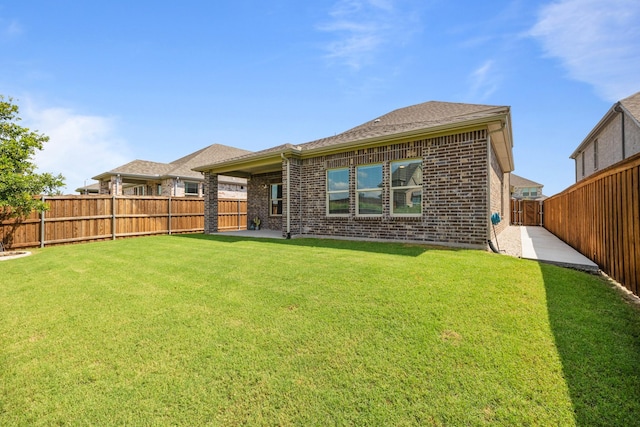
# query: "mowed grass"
x,y
202,330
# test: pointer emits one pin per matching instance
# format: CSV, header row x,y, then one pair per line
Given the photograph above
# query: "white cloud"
x,y
361,28
596,41
79,147
10,29
484,80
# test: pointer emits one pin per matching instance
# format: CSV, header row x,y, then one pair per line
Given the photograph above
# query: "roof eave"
x,y
498,123
422,133
606,119
257,161
501,136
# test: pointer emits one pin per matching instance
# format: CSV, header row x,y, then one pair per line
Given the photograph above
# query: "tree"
x,y
19,181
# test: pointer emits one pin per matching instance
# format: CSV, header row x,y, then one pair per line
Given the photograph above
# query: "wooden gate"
x,y
527,212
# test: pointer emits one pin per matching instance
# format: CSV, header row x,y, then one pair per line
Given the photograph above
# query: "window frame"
x,y
330,192
410,188
279,200
191,183
363,190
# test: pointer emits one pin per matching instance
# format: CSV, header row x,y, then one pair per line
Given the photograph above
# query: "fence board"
x,y
600,217
86,218
526,212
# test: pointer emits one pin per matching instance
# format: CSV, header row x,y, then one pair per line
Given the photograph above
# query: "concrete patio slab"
x,y
541,245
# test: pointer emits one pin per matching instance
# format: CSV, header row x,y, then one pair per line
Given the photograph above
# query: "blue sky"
x,y
112,81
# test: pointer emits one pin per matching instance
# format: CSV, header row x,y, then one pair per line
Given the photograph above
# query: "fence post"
x,y
113,217
42,219
169,218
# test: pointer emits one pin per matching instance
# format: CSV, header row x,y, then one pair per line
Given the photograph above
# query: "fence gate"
x,y
527,212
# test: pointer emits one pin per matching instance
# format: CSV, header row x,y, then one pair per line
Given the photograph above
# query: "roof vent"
x,y
376,121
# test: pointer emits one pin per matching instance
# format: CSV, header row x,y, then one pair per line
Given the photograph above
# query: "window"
x,y
583,164
369,190
139,190
338,191
159,189
406,187
595,155
276,199
190,188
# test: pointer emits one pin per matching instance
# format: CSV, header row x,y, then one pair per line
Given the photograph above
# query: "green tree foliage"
x,y
19,181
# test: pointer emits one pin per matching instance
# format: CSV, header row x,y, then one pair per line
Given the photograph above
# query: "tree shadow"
x,y
597,335
394,248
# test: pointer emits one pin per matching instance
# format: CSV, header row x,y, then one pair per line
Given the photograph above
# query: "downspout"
x,y
503,124
489,155
288,194
618,109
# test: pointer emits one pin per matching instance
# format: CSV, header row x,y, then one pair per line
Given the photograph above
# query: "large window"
x,y
369,190
406,187
276,199
190,188
338,191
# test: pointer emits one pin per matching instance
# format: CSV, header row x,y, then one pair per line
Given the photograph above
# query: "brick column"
x,y
210,203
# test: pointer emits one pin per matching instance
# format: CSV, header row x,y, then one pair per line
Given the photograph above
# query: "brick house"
x,y
177,179
615,138
428,173
525,189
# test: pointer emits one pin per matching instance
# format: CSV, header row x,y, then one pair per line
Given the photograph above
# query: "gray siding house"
x,y
615,138
429,173
176,179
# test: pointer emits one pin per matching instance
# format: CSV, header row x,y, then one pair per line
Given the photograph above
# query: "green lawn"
x,y
196,330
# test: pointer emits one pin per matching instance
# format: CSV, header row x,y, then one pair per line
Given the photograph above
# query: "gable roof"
x,y
630,106
431,117
180,168
518,181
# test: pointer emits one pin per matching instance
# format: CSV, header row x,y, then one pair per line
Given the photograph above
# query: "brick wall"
x,y
258,204
456,181
210,202
455,186
499,195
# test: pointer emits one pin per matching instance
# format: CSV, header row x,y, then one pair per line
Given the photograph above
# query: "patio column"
x,y
210,203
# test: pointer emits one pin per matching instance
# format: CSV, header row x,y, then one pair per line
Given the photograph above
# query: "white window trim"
x,y
419,187
348,191
369,190
271,199
197,193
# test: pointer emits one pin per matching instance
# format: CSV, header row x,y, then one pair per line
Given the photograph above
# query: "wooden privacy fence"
x,y
232,214
91,218
600,217
526,212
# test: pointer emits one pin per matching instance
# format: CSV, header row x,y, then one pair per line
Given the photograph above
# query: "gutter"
x,y
286,159
619,109
264,158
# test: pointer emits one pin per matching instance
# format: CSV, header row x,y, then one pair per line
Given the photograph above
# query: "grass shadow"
x,y
597,335
395,248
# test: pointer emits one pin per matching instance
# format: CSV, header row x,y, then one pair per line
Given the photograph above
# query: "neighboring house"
x,y
429,173
522,188
145,178
613,139
89,189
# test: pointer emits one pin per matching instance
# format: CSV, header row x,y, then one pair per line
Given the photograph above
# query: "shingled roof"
x,y
428,116
416,117
182,167
629,105
518,181
632,105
